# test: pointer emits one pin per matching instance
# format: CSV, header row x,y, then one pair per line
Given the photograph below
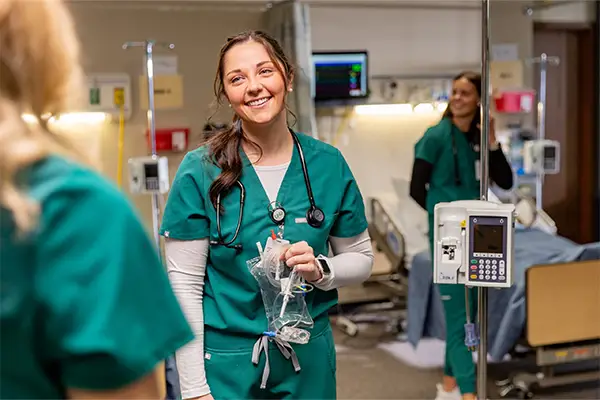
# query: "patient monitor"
x,y
473,243
149,174
541,157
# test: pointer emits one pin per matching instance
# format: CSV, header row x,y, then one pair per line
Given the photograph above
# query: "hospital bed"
x,y
393,218
553,307
389,278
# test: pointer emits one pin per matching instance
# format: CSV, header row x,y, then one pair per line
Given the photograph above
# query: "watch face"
x,y
324,265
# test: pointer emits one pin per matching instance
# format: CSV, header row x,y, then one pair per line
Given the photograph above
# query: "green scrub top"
x,y
435,147
85,301
234,314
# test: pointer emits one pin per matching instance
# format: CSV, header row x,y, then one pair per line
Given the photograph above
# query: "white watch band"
x,y
320,267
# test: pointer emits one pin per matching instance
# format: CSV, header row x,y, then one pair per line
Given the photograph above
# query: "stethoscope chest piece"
x,y
315,217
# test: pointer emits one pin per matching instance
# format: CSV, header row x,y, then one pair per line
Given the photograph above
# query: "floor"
x,y
368,371
369,366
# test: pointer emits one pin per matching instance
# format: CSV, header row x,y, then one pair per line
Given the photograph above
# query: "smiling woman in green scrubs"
x,y
207,260
446,168
86,309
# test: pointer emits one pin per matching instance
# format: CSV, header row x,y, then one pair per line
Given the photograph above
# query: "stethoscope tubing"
x,y
221,241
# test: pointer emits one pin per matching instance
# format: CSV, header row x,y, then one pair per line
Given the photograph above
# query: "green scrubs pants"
x,y
459,359
232,375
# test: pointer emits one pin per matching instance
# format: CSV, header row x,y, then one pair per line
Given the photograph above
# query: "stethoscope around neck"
x,y
314,215
457,179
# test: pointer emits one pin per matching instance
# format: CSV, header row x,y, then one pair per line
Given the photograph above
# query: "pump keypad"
x,y
487,267
488,250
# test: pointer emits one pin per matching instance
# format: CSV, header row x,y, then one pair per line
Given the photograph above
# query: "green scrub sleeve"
x,y
351,219
185,215
429,146
108,314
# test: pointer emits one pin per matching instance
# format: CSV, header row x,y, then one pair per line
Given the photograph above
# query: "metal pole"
x,y
149,48
544,61
541,125
484,183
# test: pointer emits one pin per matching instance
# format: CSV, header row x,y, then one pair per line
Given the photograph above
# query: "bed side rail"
x,y
563,303
387,236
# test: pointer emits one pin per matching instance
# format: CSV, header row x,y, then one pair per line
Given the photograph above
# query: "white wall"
x,y
379,148
401,40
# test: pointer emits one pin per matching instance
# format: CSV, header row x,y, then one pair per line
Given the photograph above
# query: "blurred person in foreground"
x,y
86,308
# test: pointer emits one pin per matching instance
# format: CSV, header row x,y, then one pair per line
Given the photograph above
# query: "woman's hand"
x,y
492,132
301,256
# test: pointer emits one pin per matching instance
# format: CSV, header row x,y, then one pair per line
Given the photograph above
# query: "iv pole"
x,y
544,61
149,47
483,154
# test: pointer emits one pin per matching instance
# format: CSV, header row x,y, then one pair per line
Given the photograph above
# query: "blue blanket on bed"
x,y
506,307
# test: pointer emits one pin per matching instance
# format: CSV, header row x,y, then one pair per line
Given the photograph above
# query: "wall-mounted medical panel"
x,y
105,92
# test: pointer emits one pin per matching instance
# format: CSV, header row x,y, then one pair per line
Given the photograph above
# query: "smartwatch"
x,y
323,264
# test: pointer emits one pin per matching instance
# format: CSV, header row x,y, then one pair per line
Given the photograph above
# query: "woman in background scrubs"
x,y
86,309
232,357
446,168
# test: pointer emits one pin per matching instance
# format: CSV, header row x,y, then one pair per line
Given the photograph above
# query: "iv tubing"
x,y
287,291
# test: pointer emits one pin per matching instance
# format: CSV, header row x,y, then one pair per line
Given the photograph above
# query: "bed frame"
x,y
388,240
562,326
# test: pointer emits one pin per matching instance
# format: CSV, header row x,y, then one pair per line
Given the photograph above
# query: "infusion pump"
x,y
541,157
473,243
149,174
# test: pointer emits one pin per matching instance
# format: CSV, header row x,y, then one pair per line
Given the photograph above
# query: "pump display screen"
x,y
151,171
549,158
549,152
151,175
488,238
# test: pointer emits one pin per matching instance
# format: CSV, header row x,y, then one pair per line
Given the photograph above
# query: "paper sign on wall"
x,y
505,52
506,74
164,64
168,92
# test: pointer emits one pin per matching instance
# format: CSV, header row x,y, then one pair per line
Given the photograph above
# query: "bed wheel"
x,y
508,389
505,388
525,394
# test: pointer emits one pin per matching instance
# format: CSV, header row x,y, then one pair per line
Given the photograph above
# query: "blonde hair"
x,y
40,74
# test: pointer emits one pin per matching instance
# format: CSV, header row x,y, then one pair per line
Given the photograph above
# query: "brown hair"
x,y
475,79
224,146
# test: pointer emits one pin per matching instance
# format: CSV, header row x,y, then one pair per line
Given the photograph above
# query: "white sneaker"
x,y
443,395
